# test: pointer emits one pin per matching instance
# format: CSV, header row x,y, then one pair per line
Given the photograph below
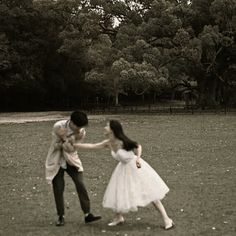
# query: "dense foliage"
x,y
64,53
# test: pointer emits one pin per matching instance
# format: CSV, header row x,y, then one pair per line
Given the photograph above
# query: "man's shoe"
x,y
60,221
90,218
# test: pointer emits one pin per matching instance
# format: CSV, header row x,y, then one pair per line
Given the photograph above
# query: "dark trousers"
x,y
59,185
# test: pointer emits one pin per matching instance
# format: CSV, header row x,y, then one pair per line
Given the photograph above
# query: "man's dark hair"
x,y
79,118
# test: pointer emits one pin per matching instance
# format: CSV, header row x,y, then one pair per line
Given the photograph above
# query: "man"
x,y
57,163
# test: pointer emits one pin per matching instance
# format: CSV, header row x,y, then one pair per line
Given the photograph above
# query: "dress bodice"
x,y
123,156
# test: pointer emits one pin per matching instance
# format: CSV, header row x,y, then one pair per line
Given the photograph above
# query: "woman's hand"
x,y
138,153
138,164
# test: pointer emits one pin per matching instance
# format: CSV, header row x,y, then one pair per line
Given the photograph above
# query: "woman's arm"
x,y
99,145
138,153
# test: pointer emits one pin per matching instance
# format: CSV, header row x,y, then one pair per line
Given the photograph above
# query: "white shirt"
x,y
56,156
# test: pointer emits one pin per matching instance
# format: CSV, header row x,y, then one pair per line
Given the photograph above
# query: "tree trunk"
x,y
116,98
201,91
154,97
208,91
211,91
116,90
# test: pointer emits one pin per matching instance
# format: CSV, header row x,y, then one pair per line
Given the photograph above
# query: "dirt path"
x,y
24,117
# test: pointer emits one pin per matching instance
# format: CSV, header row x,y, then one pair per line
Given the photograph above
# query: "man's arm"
x,y
59,133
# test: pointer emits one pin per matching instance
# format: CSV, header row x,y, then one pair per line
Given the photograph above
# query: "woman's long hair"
x,y
117,129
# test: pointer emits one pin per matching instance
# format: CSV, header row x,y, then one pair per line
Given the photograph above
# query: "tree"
x,y
56,51
143,78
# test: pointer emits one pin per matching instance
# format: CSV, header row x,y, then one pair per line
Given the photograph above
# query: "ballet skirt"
x,y
131,187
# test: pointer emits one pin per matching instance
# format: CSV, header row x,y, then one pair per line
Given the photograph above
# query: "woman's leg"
x,y
118,219
119,216
167,220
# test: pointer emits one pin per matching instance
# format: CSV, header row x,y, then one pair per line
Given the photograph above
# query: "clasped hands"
x,y
67,142
67,146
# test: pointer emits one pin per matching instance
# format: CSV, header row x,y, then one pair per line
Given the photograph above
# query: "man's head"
x,y
79,119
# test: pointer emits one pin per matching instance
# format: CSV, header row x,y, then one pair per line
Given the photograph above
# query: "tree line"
x,y
65,53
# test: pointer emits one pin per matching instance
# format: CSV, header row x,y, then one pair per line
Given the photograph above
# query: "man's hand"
x,y
62,133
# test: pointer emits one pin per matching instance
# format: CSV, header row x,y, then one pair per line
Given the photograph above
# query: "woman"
x,y
134,183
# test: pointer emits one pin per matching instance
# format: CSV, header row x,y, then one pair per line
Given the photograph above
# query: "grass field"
x,y
195,155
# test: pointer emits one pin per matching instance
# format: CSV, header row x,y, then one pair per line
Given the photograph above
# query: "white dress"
x,y
130,187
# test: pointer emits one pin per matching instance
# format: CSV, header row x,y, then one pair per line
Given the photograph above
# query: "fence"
x,y
154,108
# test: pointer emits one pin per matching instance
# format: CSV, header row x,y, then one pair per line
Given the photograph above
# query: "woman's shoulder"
x,y
123,154
123,151
120,144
